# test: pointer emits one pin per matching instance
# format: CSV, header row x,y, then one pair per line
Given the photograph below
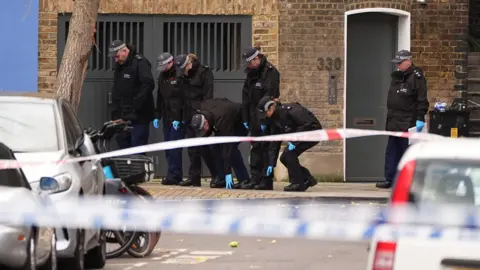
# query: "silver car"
x,y
24,247
48,129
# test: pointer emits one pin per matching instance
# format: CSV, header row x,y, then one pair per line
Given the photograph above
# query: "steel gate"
x,y
216,40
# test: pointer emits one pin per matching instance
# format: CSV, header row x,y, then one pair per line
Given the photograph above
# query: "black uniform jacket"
x,y
132,94
196,87
169,97
407,99
225,119
264,81
289,118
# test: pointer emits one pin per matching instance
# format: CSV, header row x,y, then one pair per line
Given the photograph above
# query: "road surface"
x,y
208,252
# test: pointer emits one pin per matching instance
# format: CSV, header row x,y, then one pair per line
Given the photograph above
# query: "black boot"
x,y
250,184
385,184
239,184
169,182
265,184
310,182
217,183
195,182
295,188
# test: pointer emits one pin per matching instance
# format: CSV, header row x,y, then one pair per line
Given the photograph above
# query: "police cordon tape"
x,y
316,135
239,218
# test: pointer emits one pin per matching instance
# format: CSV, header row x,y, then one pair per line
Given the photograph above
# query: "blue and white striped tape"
x,y
244,218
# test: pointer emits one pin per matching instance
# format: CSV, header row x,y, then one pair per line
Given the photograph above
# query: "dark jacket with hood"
x,y
225,119
197,86
169,97
133,85
407,99
289,118
264,81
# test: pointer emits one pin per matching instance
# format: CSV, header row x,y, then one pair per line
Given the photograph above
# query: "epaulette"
x,y
139,56
418,73
286,107
206,67
270,66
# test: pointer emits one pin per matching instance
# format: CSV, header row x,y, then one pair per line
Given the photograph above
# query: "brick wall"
x,y
265,24
294,34
311,29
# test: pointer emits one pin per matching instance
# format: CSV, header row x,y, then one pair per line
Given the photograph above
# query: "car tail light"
x,y
123,190
384,256
404,180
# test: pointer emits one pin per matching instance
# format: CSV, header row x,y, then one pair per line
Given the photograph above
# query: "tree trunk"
x,y
74,63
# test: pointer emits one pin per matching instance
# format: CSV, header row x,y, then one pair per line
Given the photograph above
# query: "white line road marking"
x,y
129,265
168,253
211,252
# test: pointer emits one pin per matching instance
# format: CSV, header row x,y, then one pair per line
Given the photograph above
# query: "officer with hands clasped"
x,y
263,79
196,83
289,118
223,117
169,108
132,94
407,105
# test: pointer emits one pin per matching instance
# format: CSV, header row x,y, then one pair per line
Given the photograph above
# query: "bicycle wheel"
x,y
146,241
122,240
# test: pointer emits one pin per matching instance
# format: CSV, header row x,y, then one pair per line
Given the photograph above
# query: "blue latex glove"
x,y
176,125
269,170
263,127
228,181
419,125
245,124
155,123
291,146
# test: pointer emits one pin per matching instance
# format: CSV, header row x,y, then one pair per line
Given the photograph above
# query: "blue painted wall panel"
x,y
19,46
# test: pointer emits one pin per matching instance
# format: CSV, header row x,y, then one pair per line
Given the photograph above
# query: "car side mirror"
x,y
78,143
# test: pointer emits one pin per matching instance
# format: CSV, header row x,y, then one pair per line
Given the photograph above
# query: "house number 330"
x,y
329,63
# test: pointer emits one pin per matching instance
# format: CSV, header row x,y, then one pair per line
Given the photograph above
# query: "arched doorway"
x,y
372,36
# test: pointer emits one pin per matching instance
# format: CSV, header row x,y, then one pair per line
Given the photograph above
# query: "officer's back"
x,y
293,117
133,88
223,109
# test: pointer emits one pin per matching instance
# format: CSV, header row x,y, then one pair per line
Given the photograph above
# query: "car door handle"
x,y
110,98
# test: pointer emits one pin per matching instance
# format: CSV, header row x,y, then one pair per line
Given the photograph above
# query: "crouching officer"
x,y
263,79
407,105
196,82
170,109
223,117
288,118
132,95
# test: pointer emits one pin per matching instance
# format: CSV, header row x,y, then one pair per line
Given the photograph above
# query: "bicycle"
x,y
124,174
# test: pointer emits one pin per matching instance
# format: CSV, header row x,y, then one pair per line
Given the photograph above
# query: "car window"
x,y
28,126
72,126
446,182
11,177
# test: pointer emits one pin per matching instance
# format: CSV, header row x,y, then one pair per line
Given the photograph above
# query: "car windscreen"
x,y
446,182
28,126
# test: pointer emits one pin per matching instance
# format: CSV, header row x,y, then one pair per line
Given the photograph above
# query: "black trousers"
x,y
258,157
297,174
396,147
195,155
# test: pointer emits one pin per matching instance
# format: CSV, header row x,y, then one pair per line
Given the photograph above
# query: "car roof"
x,y
34,97
451,149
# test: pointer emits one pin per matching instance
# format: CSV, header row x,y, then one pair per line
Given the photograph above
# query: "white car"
x,y
48,129
440,172
23,247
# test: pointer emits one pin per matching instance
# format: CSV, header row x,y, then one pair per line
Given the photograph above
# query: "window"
x,y
130,32
217,44
28,126
446,182
11,177
73,130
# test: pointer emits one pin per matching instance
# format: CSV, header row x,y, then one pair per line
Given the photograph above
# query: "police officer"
x,y
407,105
288,118
170,110
263,79
223,117
132,95
197,85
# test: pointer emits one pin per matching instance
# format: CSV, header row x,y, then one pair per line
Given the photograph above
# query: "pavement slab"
x,y
346,191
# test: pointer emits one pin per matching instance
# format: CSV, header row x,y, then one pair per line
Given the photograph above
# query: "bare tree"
x,y
81,38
